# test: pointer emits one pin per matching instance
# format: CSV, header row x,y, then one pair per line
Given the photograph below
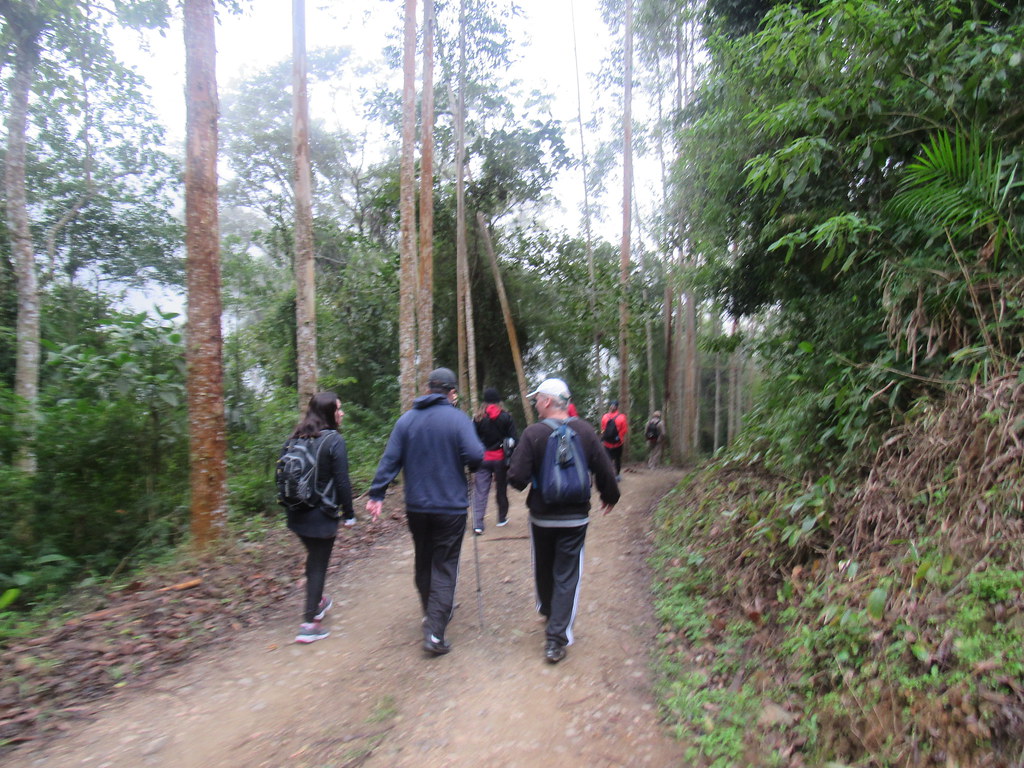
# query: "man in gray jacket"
x,y
434,443
557,531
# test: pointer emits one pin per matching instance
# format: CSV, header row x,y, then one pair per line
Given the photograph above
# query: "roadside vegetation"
x,y
870,623
844,585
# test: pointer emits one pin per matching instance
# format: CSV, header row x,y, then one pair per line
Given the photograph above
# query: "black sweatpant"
x,y
437,539
557,568
318,555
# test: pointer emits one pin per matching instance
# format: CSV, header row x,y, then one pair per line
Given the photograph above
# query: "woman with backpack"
x,y
494,426
313,485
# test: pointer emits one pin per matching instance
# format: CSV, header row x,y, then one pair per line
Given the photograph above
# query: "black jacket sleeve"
x,y
339,473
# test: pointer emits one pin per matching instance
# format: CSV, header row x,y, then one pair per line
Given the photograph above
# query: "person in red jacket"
x,y
494,425
614,427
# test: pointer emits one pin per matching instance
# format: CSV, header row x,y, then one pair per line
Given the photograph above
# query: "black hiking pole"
x,y
476,558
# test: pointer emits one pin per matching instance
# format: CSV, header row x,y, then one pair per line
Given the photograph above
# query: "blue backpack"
x,y
564,474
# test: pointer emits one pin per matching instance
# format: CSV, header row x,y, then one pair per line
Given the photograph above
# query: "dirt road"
x,y
369,696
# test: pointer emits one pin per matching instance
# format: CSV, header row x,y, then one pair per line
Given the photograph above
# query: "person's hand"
x,y
606,508
373,508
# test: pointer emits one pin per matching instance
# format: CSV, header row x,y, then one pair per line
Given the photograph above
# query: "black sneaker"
x,y
502,522
437,646
553,652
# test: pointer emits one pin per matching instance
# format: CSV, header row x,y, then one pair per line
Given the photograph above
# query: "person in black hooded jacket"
x,y
434,443
317,526
494,425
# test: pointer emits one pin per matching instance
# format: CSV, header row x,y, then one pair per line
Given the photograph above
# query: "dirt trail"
x,y
368,695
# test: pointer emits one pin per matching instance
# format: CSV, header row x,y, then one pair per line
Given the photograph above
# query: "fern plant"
x,y
966,187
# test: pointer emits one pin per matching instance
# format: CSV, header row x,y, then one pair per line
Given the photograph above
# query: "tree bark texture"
x,y
591,271
470,339
689,377
425,302
460,203
627,205
205,380
733,418
668,404
716,333
408,273
305,275
25,25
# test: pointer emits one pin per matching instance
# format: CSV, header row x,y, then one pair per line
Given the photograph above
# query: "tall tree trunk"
x,y
25,25
716,332
679,355
425,302
205,380
408,273
591,270
305,281
734,390
460,203
689,374
470,338
648,329
506,312
670,363
627,205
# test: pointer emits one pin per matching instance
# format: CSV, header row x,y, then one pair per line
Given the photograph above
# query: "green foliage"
x,y
827,153
112,453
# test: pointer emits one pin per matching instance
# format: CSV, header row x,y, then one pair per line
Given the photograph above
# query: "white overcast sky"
x,y
261,36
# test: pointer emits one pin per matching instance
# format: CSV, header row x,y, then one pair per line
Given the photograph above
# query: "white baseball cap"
x,y
553,388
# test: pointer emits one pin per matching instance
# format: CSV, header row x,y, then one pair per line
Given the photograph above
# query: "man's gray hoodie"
x,y
434,443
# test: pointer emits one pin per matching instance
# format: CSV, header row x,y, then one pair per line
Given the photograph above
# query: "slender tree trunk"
x,y
716,332
305,281
470,338
627,205
460,203
648,330
25,25
205,380
669,402
689,375
506,312
591,271
425,302
408,273
679,354
734,387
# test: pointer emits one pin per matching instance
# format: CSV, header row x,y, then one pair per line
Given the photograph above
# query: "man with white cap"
x,y
558,531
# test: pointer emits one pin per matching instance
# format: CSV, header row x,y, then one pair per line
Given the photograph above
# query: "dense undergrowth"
x,y
874,622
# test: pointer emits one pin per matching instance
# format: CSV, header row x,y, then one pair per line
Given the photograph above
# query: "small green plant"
x,y
385,709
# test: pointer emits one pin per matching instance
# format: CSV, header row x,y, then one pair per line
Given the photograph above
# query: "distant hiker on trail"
x,y
494,427
433,442
317,452
654,434
614,427
556,457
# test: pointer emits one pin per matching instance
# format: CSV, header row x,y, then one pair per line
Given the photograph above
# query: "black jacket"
x,y
493,431
321,522
526,462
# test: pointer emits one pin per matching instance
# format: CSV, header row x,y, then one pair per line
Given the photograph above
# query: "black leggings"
x,y
318,555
